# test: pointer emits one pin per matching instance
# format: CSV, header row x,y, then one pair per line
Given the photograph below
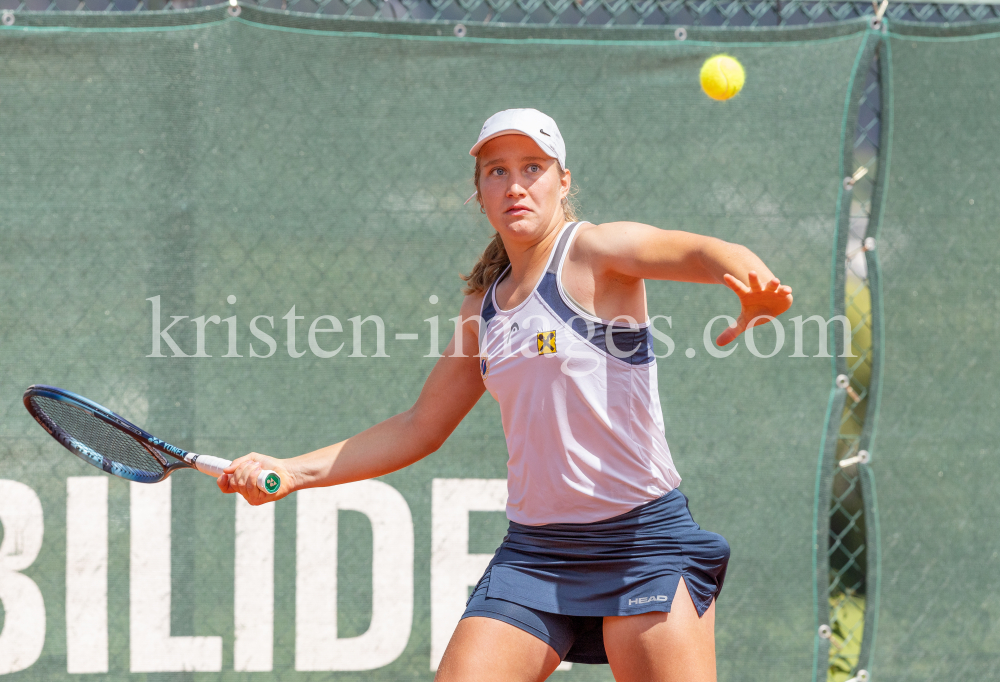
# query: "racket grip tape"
x,y
267,480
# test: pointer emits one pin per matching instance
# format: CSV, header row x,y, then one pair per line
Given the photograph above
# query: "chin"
x,y
519,229
522,225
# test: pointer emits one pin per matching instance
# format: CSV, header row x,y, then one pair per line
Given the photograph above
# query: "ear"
x,y
566,181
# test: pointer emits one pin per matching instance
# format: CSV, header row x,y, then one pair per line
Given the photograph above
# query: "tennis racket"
x,y
115,445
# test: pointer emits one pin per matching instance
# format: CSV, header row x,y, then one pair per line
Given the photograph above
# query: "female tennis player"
x,y
602,562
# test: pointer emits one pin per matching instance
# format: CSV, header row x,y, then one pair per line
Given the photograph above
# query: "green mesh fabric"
x,y
294,161
935,458
850,550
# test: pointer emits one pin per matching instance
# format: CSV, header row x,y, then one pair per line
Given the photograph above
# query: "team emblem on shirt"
x,y
546,342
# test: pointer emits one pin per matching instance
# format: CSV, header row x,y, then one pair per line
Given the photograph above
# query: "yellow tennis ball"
x,y
721,77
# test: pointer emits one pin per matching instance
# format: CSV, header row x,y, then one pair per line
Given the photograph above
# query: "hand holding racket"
x,y
242,473
105,440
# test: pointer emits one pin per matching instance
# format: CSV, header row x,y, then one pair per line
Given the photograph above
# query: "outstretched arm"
x,y
637,251
450,392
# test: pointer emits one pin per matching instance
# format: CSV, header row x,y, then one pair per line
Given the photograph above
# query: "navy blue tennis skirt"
x,y
559,580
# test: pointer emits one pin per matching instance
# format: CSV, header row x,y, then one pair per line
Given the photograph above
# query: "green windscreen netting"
x,y
252,175
936,447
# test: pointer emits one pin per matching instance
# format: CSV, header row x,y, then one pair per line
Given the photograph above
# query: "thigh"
x,y
488,650
663,647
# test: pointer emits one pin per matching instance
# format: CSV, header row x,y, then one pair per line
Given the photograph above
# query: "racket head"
x,y
97,435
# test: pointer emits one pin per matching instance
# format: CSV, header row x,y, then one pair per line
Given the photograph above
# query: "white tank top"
x,y
579,403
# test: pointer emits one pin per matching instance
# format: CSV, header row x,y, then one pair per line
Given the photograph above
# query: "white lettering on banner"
x,y
253,591
23,634
152,649
453,569
87,574
317,646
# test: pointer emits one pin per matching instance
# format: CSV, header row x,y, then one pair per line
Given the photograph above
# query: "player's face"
x,y
521,187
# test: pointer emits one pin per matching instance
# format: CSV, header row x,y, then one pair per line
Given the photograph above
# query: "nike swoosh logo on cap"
x,y
544,133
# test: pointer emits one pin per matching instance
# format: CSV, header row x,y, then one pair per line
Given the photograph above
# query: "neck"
x,y
528,259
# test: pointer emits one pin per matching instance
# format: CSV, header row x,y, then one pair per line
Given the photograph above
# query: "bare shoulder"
x,y
468,335
607,242
472,304
625,239
591,238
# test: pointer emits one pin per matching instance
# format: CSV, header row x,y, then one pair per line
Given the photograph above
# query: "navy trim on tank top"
x,y
633,345
488,312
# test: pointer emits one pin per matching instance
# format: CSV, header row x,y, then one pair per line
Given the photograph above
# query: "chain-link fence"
x,y
848,545
709,13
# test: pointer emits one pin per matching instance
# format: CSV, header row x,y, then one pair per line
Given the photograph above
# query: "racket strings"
x,y
97,435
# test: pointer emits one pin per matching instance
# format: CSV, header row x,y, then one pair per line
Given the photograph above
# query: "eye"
x,y
534,168
497,171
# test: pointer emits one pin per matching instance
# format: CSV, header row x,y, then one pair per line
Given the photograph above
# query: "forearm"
x,y
386,447
645,252
450,392
718,258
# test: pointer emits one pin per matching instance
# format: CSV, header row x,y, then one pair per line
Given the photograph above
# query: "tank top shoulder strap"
x,y
561,248
487,311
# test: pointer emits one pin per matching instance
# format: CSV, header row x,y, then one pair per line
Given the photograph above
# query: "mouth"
x,y
518,209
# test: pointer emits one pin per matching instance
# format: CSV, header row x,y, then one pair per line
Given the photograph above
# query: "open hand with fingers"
x,y
759,302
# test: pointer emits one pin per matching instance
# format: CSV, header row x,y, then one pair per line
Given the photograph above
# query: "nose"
x,y
514,189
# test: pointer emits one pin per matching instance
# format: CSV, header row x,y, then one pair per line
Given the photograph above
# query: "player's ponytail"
x,y
494,258
487,268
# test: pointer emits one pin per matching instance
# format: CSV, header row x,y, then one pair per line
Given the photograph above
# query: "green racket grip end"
x,y
269,482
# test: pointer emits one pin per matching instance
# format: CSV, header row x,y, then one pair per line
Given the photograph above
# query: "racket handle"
x,y
213,466
267,481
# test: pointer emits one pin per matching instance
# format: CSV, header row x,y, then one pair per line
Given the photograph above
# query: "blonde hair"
x,y
494,260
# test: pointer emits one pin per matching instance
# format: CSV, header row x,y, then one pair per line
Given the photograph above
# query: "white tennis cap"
x,y
531,122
